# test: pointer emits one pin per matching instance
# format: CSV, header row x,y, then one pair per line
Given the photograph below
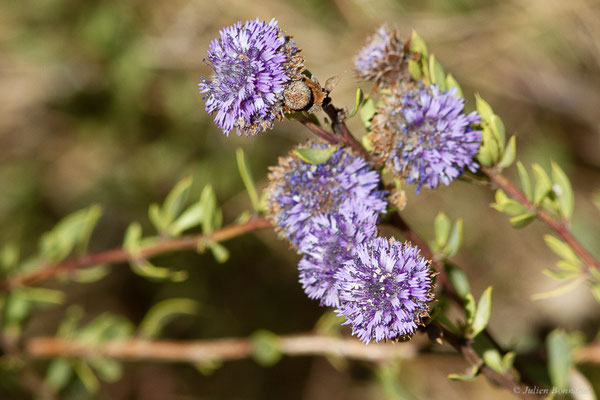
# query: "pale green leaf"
x,y
357,102
162,313
565,197
559,358
316,155
247,179
543,185
484,310
510,153
525,182
561,249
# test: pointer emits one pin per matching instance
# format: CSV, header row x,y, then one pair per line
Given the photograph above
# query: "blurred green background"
x,y
100,105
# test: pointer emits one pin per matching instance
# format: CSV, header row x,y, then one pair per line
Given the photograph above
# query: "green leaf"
x,y
488,151
90,274
148,270
437,74
357,102
87,377
455,240
560,275
417,44
58,374
220,252
265,348
190,218
559,358
498,130
493,359
525,182
561,249
470,309
458,279
162,313
469,376
157,218
108,370
559,290
510,153
133,237
71,233
43,295
247,179
414,68
316,155
522,220
9,257
507,205
175,200
564,194
452,83
442,226
367,112
484,109
208,199
543,185
484,310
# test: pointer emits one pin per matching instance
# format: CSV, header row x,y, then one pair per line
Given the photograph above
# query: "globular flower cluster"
x,y
330,212
384,290
424,136
252,64
329,244
300,191
383,59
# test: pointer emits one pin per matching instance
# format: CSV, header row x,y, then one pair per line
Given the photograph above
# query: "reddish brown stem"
x,y
306,344
559,227
338,123
50,271
506,380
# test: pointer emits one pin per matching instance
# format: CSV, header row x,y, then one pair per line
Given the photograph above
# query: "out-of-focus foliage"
x,y
100,106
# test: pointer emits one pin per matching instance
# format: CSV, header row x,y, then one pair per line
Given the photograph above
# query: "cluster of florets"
x,y
419,132
300,191
424,136
384,58
252,62
330,211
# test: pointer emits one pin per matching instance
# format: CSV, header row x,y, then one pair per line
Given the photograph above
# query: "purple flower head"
x,y
425,137
330,243
383,59
300,191
252,63
384,290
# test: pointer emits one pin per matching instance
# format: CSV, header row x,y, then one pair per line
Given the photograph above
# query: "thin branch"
x,y
306,344
317,130
506,380
338,123
120,255
559,227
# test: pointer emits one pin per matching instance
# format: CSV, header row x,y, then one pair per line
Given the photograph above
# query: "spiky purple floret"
x,y
300,191
438,140
329,243
373,52
384,290
249,76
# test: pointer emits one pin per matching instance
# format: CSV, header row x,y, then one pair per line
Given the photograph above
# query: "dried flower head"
x,y
329,243
383,59
425,137
252,63
384,290
299,191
